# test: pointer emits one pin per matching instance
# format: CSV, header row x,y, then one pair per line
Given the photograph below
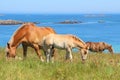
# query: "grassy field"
x,y
97,67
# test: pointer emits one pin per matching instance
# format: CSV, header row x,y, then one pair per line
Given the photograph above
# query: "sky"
x,y
60,6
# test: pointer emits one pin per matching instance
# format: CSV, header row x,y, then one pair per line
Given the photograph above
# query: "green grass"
x,y
97,67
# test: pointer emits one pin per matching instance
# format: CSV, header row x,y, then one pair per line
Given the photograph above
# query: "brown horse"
x,y
27,35
99,46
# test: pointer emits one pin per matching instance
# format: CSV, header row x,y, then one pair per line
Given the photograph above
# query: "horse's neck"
x,y
108,47
16,39
13,43
79,44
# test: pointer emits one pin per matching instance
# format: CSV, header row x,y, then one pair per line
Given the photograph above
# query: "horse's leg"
x,y
24,50
48,55
46,51
52,53
100,51
69,54
36,47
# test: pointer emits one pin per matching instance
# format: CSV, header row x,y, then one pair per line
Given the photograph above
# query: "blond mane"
x,y
20,28
77,39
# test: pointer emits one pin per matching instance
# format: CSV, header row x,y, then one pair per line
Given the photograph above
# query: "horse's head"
x,y
10,51
84,53
110,49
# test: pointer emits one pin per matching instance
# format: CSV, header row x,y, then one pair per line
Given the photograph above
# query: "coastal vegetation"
x,y
98,66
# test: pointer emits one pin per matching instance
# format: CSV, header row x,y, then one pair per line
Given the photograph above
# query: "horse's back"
x,y
31,33
38,33
95,43
57,39
60,39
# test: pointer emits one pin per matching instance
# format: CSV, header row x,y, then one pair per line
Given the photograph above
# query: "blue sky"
x,y
60,6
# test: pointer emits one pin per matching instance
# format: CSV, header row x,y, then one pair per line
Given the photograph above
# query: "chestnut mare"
x,y
66,42
27,35
99,47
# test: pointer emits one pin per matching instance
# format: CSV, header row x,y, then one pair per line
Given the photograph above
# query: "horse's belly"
x,y
60,45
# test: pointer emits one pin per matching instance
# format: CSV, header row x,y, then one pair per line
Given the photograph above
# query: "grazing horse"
x,y
66,42
27,35
99,46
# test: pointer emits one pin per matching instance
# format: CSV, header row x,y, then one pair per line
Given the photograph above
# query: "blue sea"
x,y
94,27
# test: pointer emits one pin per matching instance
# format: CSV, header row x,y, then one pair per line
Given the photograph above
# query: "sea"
x,y
92,27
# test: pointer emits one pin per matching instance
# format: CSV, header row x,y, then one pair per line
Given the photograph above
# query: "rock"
x,y
101,21
70,22
13,22
10,22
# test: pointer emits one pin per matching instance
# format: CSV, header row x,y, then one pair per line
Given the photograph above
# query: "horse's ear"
x,y
8,45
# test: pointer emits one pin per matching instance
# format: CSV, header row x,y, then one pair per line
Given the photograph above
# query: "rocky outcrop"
x,y
10,22
13,22
70,22
101,21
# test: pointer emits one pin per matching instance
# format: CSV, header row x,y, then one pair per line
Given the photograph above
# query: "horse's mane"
x,y
77,38
19,29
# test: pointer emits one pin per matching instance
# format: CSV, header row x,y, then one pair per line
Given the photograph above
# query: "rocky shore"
x,y
13,22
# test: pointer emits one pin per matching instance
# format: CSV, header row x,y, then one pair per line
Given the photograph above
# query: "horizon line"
x,y
59,13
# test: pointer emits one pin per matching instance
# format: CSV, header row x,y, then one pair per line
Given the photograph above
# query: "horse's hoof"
x,y
18,58
42,60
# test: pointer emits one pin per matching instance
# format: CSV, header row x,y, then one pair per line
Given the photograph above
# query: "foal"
x,y
66,42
